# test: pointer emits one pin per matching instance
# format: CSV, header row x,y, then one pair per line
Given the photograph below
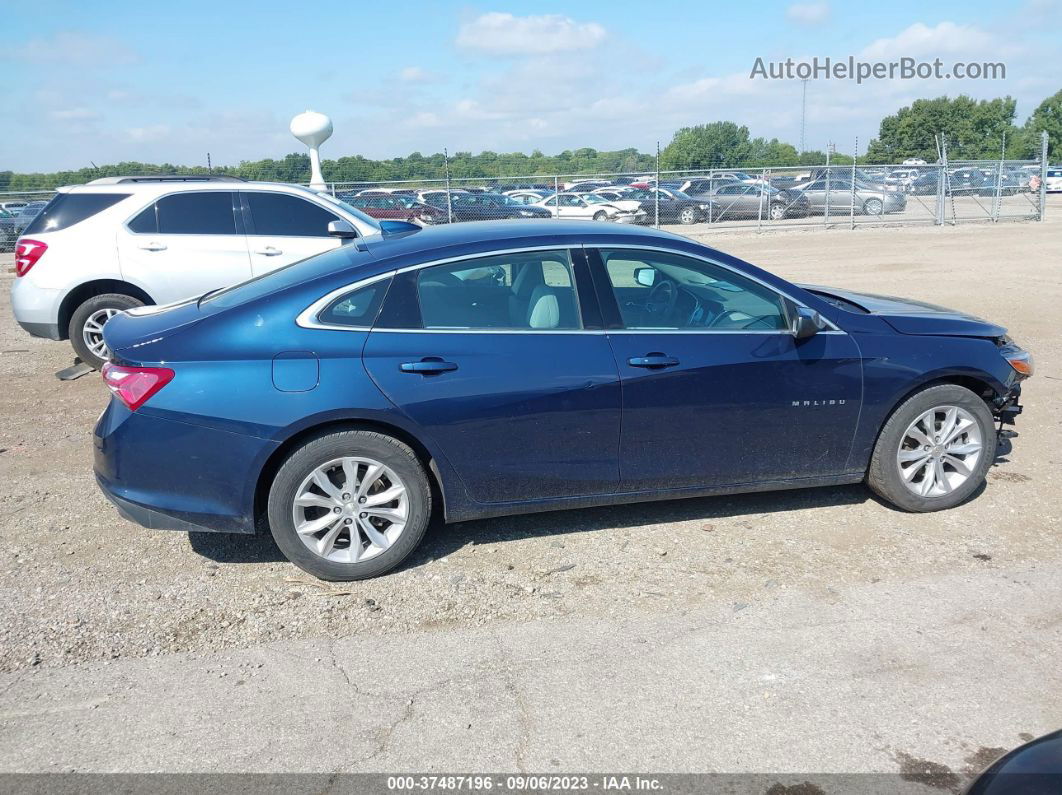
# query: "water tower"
x,y
313,129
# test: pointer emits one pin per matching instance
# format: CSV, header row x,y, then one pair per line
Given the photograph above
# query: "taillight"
x,y
134,385
27,252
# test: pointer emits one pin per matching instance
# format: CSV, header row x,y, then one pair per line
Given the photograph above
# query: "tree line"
x,y
975,130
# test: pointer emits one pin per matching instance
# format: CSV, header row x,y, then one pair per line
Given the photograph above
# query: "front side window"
x,y
528,290
281,215
206,213
658,290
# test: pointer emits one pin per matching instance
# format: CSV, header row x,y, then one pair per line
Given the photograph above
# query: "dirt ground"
x,y
79,584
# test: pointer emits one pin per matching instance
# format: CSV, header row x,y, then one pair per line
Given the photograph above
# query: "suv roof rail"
x,y
167,178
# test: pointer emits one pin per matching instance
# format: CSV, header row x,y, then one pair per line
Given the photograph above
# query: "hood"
x,y
908,316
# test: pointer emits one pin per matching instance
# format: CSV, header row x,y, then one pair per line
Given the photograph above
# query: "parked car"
x,y
483,206
13,206
397,207
527,196
1054,180
738,200
675,207
864,200
14,221
926,183
1034,768
589,207
154,240
476,370
969,182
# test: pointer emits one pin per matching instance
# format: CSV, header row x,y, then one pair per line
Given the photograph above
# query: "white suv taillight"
x,y
27,252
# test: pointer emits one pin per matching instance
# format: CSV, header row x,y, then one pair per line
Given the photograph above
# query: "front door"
x,y
490,358
184,245
716,390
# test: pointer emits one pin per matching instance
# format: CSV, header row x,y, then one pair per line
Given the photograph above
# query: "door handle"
x,y
153,246
268,251
427,366
653,361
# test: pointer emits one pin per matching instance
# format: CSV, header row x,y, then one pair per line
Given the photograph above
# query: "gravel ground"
x,y
80,584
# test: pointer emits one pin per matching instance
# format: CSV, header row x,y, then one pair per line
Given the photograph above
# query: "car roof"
x,y
523,233
107,185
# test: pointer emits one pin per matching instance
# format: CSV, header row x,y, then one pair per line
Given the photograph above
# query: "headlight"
x,y
1020,360
704,206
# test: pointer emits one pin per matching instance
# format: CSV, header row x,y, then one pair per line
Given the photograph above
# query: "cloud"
x,y
808,13
415,74
76,48
946,38
73,114
150,133
498,33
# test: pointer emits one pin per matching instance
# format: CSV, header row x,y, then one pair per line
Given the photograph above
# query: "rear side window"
x,y
206,213
67,209
358,308
280,215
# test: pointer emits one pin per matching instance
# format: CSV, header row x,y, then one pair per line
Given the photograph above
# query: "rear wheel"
x,y
349,505
934,451
87,322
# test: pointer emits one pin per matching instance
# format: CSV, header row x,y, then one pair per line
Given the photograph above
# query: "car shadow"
x,y
442,540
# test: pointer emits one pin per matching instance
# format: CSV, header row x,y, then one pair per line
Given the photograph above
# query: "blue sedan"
x,y
487,369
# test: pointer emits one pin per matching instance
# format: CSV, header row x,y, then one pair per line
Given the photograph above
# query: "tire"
x,y
401,468
688,216
96,310
777,212
884,474
873,207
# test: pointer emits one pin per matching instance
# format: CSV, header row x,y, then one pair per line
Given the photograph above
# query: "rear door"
x,y
501,361
185,244
282,229
716,390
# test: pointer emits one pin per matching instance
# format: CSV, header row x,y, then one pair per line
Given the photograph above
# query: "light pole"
x,y
803,111
313,129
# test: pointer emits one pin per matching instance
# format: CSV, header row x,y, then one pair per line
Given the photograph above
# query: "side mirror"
x,y
806,323
397,227
341,229
646,277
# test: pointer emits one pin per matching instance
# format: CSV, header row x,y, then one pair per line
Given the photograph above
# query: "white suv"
x,y
121,242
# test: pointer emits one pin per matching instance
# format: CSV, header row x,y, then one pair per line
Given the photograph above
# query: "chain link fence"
x,y
827,195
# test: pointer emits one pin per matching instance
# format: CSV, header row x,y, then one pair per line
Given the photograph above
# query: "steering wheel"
x,y
662,298
750,321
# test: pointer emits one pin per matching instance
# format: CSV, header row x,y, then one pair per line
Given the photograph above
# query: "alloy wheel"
x,y
350,509
939,451
92,331
687,216
873,206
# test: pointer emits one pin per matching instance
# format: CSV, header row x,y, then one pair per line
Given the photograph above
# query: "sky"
x,y
170,82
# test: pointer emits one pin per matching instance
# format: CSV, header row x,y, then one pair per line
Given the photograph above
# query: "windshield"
x,y
678,194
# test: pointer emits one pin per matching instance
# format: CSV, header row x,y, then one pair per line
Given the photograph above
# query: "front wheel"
x,y
87,322
873,207
934,451
688,216
349,505
601,216
777,212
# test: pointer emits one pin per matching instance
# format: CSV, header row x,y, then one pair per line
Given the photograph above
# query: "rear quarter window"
x,y
67,209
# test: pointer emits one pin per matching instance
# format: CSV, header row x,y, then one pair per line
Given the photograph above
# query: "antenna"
x,y
313,129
